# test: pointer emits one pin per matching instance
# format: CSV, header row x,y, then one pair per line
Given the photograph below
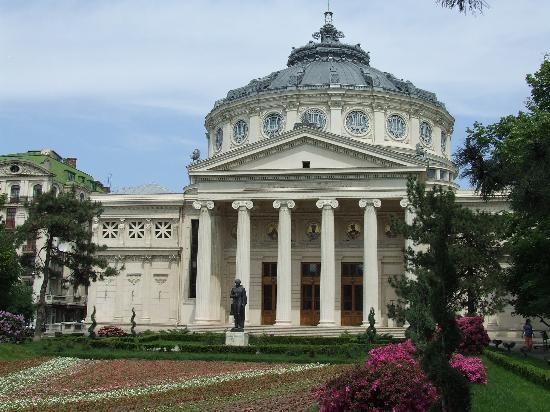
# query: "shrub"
x,y
472,368
474,335
530,372
391,380
12,327
108,331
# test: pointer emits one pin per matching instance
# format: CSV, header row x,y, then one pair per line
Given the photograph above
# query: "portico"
x,y
290,256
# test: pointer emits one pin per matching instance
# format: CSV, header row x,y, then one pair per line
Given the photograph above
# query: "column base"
x,y
326,324
283,323
376,325
206,322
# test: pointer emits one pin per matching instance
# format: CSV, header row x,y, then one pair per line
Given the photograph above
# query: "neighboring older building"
x,y
22,177
305,167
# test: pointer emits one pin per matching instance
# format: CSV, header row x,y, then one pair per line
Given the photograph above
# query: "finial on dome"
x,y
328,33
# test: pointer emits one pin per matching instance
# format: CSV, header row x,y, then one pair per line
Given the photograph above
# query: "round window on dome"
x,y
443,142
315,117
219,139
273,124
426,133
240,131
397,127
357,122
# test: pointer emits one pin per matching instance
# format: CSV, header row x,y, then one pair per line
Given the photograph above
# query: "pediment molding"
x,y
26,168
378,155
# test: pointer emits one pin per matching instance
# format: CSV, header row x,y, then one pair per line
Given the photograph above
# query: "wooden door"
x,y
310,293
269,292
352,294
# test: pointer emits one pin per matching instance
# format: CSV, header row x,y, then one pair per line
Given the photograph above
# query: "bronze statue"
x,y
238,294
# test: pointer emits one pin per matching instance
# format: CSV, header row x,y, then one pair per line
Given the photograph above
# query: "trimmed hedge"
x,y
530,372
350,350
210,338
219,339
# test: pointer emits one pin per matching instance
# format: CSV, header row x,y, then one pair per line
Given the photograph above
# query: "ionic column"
x,y
328,265
284,262
242,265
371,280
204,262
409,218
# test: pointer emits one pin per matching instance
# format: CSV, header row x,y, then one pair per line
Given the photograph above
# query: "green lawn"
x,y
508,392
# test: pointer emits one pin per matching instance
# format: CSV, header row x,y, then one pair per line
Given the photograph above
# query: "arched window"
x,y
55,191
82,197
14,194
37,190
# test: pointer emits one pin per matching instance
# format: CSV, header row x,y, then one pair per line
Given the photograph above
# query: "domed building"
x,y
305,168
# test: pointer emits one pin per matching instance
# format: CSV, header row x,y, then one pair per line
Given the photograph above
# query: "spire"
x,y
328,33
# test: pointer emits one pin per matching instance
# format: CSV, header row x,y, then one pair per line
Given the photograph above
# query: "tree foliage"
x,y
512,158
63,222
10,269
465,5
431,295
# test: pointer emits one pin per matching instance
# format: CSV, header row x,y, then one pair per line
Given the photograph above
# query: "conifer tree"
x,y
430,296
63,223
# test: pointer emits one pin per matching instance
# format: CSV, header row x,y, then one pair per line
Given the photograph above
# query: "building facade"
x,y
24,176
305,169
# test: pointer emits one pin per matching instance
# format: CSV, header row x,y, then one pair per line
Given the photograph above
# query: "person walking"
x,y
528,335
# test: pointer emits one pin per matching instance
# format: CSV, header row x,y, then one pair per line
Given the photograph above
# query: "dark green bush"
x,y
530,372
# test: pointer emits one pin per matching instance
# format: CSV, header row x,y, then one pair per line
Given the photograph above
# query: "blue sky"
x,y
124,85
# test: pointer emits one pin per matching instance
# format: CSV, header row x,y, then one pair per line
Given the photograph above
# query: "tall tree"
x,y
431,295
465,5
480,255
63,223
512,158
10,269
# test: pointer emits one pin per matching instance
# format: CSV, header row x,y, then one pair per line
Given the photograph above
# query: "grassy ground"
x,y
506,391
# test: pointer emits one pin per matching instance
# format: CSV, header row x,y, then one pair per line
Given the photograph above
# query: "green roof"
x,y
62,172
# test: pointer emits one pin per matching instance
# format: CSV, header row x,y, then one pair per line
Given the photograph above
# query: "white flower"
x,y
146,390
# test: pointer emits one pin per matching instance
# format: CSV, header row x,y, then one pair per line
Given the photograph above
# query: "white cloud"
x,y
183,55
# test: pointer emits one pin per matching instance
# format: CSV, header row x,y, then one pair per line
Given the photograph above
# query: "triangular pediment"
x,y
321,149
25,168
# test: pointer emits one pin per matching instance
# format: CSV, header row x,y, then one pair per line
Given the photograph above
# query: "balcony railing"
x,y
64,328
29,249
17,199
65,300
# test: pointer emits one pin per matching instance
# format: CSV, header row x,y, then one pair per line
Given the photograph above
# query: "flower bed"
x,y
105,375
96,384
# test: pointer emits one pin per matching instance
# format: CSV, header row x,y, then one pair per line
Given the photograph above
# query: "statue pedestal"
x,y
236,338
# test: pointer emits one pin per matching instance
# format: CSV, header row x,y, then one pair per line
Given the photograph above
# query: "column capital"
x,y
363,203
326,203
284,203
404,202
238,204
205,203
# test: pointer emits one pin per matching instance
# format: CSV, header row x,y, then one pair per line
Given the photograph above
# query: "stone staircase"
x,y
336,331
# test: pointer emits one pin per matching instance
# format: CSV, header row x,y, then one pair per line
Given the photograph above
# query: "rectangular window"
x,y
10,217
306,164
71,176
193,260
431,173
